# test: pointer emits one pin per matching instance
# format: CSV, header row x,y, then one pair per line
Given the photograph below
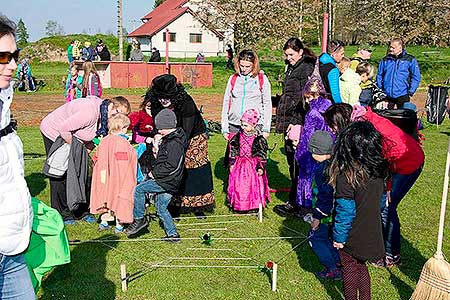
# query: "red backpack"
x,y
233,83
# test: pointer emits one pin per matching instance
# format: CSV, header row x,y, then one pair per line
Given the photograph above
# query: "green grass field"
x,y
94,272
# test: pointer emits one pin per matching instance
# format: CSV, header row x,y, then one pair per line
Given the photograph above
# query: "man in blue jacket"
x,y
398,74
329,71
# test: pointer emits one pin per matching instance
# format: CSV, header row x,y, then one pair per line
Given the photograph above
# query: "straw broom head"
x,y
434,281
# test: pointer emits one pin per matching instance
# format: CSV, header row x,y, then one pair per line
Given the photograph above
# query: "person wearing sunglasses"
x,y
16,214
329,71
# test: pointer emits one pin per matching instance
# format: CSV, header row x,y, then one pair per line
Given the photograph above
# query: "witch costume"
x,y
196,191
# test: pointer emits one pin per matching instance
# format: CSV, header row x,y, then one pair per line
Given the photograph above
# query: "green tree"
x,y
53,28
158,3
22,34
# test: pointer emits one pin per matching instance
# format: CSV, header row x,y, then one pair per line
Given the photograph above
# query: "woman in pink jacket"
x,y
79,118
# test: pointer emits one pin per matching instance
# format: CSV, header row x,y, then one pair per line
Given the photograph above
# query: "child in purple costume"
x,y
247,184
313,121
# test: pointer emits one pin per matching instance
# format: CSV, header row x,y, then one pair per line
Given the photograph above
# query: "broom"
x,y
434,281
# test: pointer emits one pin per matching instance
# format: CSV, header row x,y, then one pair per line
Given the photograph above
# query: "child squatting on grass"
x,y
357,172
164,172
247,184
114,176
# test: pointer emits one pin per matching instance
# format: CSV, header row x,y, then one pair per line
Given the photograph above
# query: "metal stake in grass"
x,y
260,213
434,281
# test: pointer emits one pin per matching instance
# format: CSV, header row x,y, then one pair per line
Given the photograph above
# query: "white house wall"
x,y
183,26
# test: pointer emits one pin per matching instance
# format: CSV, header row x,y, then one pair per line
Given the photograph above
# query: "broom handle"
x,y
443,204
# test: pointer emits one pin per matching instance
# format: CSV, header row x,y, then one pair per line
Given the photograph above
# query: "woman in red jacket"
x,y
406,158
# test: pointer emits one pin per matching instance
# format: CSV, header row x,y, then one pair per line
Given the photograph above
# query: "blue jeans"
x,y
401,184
15,281
320,243
162,200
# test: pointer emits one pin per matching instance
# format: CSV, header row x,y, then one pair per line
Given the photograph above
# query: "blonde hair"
x,y
117,123
251,56
344,64
120,101
88,68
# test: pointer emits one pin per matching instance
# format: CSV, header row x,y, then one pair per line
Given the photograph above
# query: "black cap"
x,y
321,143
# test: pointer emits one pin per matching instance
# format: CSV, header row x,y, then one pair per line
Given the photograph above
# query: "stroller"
x,y
404,118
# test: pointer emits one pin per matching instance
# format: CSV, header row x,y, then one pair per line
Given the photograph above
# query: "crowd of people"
x,y
349,167
99,52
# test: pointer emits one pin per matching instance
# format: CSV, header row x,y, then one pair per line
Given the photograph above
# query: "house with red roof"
x,y
188,35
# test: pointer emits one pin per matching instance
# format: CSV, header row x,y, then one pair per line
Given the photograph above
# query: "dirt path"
x,y
30,108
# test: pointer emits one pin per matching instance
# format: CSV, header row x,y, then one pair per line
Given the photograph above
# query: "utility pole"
x,y
120,28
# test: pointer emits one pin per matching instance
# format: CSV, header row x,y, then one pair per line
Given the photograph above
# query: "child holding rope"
x,y
247,184
357,172
114,176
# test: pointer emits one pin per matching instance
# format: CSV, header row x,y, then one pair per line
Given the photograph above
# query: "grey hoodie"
x,y
246,94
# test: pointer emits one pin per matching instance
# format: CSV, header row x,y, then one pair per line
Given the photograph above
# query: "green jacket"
x,y
349,87
49,246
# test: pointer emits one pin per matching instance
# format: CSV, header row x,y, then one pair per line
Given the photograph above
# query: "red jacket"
x,y
140,121
403,152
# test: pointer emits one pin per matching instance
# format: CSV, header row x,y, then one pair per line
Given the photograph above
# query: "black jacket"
x,y
259,148
188,116
168,166
104,54
288,111
156,57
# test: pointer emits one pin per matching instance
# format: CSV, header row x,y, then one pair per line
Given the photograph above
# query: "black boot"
x,y
172,238
136,226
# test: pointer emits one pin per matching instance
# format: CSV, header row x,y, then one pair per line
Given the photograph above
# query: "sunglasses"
x,y
6,57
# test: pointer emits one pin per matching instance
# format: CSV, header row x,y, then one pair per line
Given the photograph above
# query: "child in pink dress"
x,y
247,184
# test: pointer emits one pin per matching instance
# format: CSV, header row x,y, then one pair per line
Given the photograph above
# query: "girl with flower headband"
x,y
247,184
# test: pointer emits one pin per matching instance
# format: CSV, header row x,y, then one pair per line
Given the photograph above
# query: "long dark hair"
x,y
296,44
338,116
358,154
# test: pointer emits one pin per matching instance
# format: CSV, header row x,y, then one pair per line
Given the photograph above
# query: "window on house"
x,y
172,37
195,38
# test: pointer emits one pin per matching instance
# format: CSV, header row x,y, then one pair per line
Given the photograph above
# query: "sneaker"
x,y
136,226
89,218
103,227
119,230
380,263
284,209
334,274
69,222
172,238
393,261
308,218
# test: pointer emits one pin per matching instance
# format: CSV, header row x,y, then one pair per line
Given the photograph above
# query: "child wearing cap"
x,y
164,172
247,184
320,146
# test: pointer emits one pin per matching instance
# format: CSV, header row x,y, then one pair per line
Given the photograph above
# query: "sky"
x,y
76,16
